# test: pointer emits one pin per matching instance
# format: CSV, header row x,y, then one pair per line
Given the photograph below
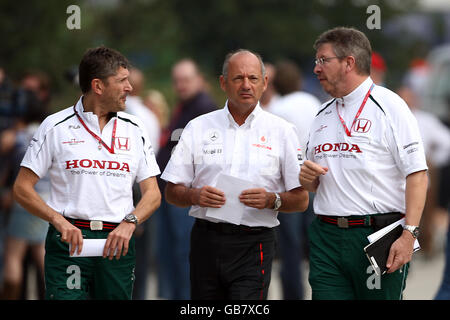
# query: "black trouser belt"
x,y
94,225
373,220
228,227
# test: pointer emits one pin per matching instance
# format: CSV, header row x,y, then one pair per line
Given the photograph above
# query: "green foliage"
x,y
155,33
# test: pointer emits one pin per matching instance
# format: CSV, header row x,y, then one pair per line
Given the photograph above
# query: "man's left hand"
x,y
401,252
118,240
257,198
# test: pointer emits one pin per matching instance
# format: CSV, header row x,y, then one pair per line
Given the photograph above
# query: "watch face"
x,y
131,218
277,203
415,231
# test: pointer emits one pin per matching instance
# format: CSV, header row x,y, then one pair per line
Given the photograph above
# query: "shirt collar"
x,y
249,121
357,95
88,117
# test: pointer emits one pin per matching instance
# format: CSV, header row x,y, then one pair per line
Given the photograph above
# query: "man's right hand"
x,y
208,196
69,233
309,175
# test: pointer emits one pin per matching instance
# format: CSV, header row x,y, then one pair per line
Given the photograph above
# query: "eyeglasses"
x,y
321,61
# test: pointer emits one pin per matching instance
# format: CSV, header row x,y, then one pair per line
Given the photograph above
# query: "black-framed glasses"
x,y
321,61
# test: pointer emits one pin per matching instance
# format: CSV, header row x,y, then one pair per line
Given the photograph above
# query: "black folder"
x,y
378,251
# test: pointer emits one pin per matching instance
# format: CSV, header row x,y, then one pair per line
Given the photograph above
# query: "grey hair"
x,y
229,55
349,42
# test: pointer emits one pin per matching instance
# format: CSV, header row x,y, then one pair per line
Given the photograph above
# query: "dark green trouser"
x,y
339,268
68,278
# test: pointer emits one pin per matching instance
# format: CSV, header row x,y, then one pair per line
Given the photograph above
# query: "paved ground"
x,y
422,284
423,280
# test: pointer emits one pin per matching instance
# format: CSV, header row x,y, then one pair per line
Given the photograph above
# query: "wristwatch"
x,y
413,229
277,203
131,218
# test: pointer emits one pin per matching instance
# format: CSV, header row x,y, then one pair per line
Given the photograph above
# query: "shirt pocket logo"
x,y
362,126
122,143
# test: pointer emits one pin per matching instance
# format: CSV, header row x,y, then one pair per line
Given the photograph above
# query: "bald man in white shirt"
x,y
233,260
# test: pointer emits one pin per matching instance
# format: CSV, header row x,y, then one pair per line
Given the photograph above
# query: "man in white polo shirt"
x,y
231,258
367,165
93,153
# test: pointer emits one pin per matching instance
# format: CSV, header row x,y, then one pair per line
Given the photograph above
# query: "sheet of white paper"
x,y
91,248
233,209
376,235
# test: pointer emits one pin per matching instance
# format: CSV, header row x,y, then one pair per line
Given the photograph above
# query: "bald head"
x,y
241,52
243,81
187,80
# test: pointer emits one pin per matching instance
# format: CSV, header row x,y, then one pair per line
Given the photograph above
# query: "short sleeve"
x,y
405,139
39,154
148,167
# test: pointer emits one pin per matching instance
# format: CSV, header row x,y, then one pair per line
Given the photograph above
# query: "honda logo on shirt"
x,y
362,125
122,143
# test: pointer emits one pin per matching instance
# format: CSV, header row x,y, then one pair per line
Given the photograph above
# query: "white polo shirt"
x,y
87,181
264,150
367,170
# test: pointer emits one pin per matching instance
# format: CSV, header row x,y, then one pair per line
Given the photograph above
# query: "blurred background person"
x,y
8,109
378,69
436,140
444,202
135,106
296,106
39,83
25,233
6,143
173,223
13,107
270,95
299,108
156,102
417,76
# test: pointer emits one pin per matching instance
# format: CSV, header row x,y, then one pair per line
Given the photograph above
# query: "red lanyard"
x,y
96,137
357,114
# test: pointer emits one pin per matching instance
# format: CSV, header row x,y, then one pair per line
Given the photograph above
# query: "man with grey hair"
x,y
257,153
367,165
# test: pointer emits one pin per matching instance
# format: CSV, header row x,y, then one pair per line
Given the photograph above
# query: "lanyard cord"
x,y
96,137
347,131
